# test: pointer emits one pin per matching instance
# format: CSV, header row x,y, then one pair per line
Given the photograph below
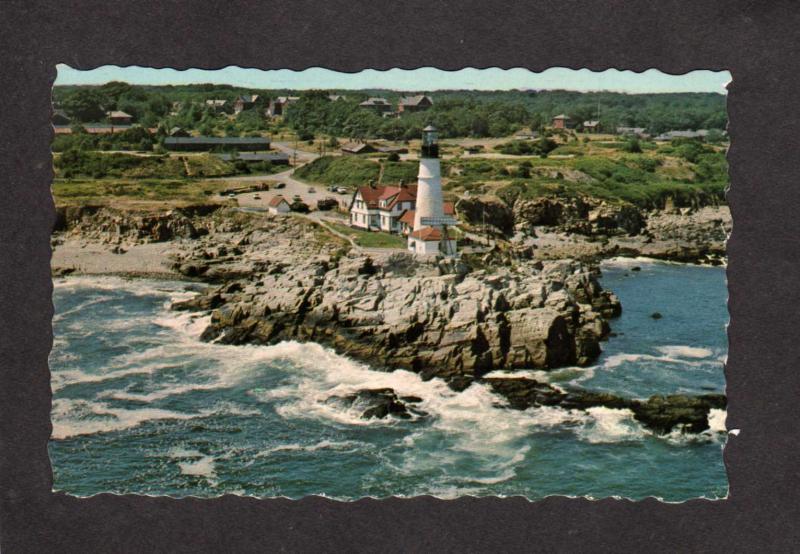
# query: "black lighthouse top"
x,y
430,142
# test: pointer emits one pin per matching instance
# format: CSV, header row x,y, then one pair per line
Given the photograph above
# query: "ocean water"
x,y
140,405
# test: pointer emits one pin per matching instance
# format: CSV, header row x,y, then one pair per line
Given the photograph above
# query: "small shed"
x,y
278,205
358,148
591,126
118,117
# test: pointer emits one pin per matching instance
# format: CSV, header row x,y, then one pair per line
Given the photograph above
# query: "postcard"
x,y
481,282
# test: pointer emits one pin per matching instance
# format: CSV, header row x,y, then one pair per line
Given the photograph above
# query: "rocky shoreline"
x,y
532,302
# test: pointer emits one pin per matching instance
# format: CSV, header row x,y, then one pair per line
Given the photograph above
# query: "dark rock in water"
x,y
656,315
201,302
379,403
660,414
663,413
523,393
411,399
636,268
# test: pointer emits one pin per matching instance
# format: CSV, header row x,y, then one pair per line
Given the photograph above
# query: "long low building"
x,y
201,144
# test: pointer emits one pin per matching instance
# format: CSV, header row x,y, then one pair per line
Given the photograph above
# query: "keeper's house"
x,y
205,144
387,208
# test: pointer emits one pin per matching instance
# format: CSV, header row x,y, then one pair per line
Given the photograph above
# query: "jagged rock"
x,y
486,212
379,403
439,321
201,302
661,414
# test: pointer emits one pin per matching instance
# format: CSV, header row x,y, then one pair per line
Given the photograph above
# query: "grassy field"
x,y
642,173
371,239
354,171
136,192
99,165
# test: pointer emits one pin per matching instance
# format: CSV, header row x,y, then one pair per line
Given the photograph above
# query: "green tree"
x,y
85,105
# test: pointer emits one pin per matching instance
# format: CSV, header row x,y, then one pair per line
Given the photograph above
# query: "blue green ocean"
x,y
141,405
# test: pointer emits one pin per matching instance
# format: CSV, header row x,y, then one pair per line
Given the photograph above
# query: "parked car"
x,y
341,190
256,197
300,207
231,195
332,188
280,186
297,198
312,190
327,204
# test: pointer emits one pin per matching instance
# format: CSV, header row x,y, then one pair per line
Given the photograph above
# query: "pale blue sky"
x,y
422,79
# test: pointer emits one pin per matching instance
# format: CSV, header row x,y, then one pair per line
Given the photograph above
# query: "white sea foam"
x,y
202,467
681,351
717,420
345,446
72,418
67,422
609,425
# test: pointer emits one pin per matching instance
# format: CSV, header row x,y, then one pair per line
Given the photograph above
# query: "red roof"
x,y
373,195
448,208
407,217
276,201
427,234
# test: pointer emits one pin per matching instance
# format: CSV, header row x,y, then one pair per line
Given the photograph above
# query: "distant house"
x,y
217,105
562,121
591,126
277,158
278,205
60,118
377,104
178,132
336,97
277,106
357,148
418,103
245,102
119,118
205,144
640,132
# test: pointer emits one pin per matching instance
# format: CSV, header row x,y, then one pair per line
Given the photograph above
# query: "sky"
x,y
421,79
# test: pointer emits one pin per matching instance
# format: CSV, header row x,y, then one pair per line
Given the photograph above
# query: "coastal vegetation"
x,y
454,113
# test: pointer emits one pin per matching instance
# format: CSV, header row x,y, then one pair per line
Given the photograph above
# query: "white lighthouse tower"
x,y
430,234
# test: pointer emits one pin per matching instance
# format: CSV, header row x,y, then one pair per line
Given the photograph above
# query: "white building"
x,y
278,205
380,208
387,208
430,234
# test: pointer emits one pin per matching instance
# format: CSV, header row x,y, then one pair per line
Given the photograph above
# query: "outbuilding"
x,y
278,205
119,118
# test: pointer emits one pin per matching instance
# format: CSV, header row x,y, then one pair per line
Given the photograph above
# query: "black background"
x,y
756,41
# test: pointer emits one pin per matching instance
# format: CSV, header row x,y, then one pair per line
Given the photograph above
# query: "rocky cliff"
x,y
441,320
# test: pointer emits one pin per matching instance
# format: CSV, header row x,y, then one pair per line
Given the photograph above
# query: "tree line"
x,y
455,113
